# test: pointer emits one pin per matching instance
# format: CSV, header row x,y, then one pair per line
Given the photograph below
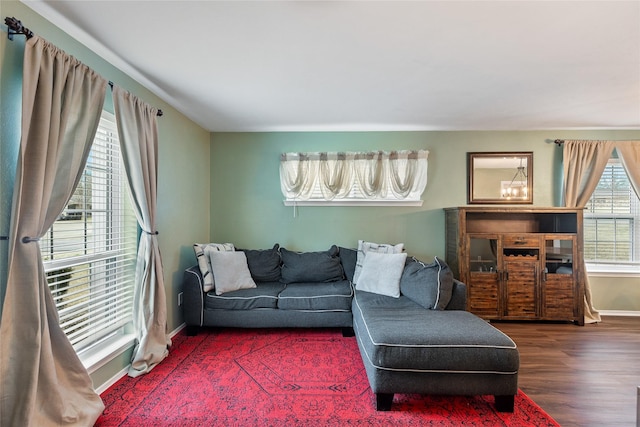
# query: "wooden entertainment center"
x,y
518,263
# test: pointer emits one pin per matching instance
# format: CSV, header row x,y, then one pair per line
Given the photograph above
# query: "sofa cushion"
x,y
264,264
398,334
204,263
348,258
381,273
365,247
430,285
265,295
321,266
327,296
230,271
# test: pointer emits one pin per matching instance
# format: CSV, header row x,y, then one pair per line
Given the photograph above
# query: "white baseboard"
x,y
619,313
111,381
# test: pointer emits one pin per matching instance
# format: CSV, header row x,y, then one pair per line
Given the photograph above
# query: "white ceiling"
x,y
385,65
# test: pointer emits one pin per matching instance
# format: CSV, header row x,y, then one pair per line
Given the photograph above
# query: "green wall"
x,y
183,183
247,208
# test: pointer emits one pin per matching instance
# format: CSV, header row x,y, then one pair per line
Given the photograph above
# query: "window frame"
x,y
109,267
610,267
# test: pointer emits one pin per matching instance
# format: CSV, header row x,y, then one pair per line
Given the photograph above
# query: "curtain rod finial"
x,y
16,27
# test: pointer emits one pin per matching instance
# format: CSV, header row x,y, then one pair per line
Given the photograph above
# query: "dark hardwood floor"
x,y
581,375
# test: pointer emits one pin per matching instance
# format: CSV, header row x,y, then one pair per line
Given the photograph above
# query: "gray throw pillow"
x,y
365,247
381,274
231,272
429,285
264,264
311,266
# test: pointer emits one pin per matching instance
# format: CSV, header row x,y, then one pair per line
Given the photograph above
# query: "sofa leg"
x,y
192,330
384,401
348,332
505,403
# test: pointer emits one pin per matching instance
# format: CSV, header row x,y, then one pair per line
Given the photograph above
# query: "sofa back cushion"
x,y
321,266
429,285
264,264
348,258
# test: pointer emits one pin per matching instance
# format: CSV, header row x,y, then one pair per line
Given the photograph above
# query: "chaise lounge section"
x,y
407,349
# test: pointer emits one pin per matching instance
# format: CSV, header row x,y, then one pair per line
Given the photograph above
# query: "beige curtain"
x,y
401,174
138,132
584,162
42,380
629,153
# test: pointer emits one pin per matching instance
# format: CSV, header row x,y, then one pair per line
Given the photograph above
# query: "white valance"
x,y
377,175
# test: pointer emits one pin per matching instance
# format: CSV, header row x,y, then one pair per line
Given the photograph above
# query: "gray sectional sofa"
x,y
414,336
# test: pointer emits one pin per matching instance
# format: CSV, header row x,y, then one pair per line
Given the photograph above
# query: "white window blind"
x,y
353,178
89,252
611,222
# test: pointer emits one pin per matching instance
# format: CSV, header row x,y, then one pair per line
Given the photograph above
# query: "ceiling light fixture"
x,y
517,188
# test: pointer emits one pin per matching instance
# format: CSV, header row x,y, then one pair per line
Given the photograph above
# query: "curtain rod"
x,y
159,113
16,28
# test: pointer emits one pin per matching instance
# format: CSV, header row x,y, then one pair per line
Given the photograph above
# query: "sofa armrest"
x,y
458,296
193,296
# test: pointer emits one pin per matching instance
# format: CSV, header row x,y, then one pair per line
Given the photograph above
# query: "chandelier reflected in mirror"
x,y
517,188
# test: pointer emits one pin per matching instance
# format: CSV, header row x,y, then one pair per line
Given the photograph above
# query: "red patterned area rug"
x,y
284,377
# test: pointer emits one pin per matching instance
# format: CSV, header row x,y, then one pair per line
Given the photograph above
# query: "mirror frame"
x,y
471,160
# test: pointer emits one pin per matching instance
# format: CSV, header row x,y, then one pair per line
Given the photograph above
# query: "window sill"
x,y
417,203
600,271
99,355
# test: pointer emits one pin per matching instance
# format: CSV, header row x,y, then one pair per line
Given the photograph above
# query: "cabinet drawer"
x,y
520,241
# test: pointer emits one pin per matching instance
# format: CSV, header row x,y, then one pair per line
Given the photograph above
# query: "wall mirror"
x,y
500,177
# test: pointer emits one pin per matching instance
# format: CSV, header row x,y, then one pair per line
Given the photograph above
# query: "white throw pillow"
x,y
231,271
366,247
381,273
205,264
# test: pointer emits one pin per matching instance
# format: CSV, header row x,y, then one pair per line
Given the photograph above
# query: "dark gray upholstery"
x,y
348,259
316,296
400,334
408,349
430,285
264,264
321,266
265,295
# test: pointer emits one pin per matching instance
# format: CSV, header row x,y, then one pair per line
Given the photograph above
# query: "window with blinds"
x,y
611,222
89,252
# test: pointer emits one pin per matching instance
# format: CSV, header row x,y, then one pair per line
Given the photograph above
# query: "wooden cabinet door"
x,y
559,296
484,295
521,287
559,299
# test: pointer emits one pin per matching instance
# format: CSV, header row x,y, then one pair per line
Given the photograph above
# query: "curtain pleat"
x,y
137,129
297,175
42,380
371,174
583,163
335,174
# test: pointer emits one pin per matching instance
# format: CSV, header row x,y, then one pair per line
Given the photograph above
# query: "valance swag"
x,y
377,175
